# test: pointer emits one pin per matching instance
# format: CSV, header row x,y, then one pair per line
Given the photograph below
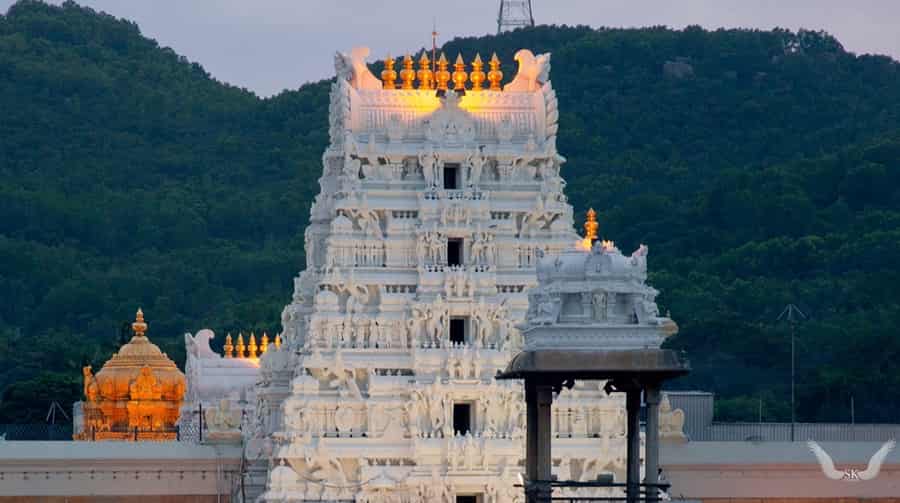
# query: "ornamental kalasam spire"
x,y
442,75
388,75
495,75
426,75
459,74
139,326
476,76
407,75
228,347
251,347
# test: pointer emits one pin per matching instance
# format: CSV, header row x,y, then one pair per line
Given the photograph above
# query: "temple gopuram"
x,y
135,396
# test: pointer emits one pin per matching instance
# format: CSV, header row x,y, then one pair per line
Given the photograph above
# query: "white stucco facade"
x,y
421,248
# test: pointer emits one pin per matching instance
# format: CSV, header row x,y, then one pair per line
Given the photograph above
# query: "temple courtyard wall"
x,y
144,472
127,472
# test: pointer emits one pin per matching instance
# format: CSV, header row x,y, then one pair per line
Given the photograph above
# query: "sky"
x,y
270,45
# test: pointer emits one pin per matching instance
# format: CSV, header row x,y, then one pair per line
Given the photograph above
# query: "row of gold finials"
x,y
440,77
251,350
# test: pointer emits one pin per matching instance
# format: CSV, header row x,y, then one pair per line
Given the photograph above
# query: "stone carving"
x,y
342,379
533,71
599,303
545,310
671,422
222,418
538,218
198,345
450,125
483,250
463,364
505,131
476,162
352,68
431,248
458,282
430,165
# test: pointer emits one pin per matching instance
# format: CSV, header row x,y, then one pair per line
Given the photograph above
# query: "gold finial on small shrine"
x,y
407,75
240,345
495,75
590,229
459,74
442,76
277,342
426,76
264,343
139,327
228,347
477,73
251,348
388,75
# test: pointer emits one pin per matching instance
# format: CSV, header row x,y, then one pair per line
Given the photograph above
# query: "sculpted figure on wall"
x,y
430,166
476,162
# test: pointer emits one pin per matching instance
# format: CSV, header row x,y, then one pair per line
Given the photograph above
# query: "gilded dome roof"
x,y
119,372
139,351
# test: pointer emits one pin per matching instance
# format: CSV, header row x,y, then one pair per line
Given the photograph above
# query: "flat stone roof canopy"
x,y
650,364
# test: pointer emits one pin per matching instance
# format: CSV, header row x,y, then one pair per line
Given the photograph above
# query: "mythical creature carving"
x,y
533,71
198,345
352,68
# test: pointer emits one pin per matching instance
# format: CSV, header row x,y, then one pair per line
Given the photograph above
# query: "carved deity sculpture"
x,y
476,162
428,161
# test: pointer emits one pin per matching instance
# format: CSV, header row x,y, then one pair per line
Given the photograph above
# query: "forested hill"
x,y
761,168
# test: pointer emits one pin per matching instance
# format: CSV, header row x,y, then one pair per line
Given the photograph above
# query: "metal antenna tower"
x,y
514,14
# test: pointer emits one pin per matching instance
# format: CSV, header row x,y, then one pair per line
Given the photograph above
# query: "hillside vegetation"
x,y
761,167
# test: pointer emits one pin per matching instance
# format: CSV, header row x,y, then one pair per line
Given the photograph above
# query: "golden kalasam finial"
x,y
388,75
442,76
139,327
228,347
426,76
264,343
252,347
477,73
495,75
277,342
459,74
240,345
590,228
407,75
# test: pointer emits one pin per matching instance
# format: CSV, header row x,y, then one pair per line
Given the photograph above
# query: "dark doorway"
x,y
458,330
454,251
462,418
451,176
467,499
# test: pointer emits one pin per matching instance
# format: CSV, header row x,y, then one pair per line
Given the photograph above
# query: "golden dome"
x,y
140,381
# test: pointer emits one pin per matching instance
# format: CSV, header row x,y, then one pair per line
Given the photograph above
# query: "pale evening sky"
x,y
270,45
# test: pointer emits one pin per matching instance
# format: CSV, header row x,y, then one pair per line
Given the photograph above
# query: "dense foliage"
x,y
761,167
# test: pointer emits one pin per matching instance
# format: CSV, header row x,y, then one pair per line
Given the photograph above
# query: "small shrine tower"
x,y
135,396
592,317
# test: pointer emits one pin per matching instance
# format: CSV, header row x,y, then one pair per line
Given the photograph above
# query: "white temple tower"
x,y
435,206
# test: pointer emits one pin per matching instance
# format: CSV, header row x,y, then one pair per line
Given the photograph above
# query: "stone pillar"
x,y
651,457
633,458
538,399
